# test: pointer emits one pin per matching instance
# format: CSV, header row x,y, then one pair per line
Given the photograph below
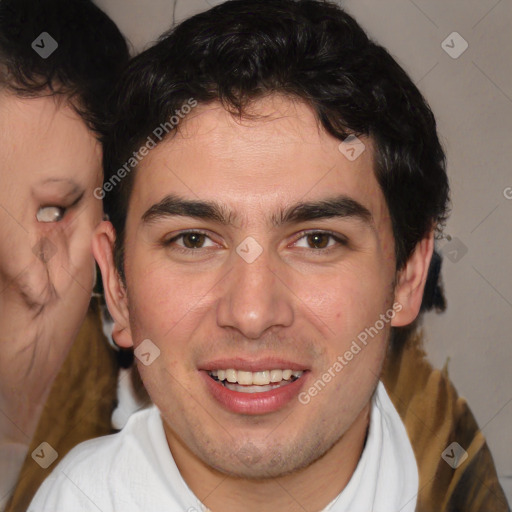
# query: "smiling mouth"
x,y
255,382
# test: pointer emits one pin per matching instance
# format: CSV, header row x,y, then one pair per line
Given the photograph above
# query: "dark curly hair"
x,y
310,50
90,55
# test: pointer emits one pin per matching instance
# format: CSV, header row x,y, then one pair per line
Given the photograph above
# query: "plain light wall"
x,y
471,97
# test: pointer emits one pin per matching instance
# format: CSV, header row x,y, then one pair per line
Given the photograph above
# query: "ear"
x,y
115,291
411,282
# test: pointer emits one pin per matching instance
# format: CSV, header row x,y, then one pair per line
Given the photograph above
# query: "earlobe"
x,y
115,292
411,282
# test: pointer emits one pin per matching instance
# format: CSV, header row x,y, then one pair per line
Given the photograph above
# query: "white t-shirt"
x,y
134,471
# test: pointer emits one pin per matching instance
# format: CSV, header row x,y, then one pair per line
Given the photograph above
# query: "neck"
x,y
311,488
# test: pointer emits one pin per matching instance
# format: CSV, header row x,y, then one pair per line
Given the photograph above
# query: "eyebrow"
x,y
335,207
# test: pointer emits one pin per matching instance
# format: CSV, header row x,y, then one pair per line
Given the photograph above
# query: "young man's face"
x,y
258,293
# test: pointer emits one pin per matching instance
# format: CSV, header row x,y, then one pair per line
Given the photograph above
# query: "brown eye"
x,y
192,240
319,240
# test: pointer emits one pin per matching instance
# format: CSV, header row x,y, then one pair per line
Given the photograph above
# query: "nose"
x,y
255,297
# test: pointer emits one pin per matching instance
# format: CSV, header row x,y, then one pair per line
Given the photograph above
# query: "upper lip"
x,y
252,365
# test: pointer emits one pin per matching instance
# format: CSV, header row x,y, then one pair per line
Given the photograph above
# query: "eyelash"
x,y
340,240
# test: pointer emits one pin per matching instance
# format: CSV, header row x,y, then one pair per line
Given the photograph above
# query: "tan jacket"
x,y
434,417
84,396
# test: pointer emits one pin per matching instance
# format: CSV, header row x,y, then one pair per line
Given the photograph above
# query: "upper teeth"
x,y
258,378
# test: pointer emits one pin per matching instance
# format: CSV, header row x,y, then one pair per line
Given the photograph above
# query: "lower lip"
x,y
253,403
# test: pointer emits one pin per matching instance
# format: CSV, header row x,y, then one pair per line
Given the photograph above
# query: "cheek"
x,y
160,300
349,300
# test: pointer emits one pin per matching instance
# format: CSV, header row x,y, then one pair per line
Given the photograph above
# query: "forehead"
x,y
44,138
278,155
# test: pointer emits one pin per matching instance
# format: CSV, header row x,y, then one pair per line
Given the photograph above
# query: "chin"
x,y
253,463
